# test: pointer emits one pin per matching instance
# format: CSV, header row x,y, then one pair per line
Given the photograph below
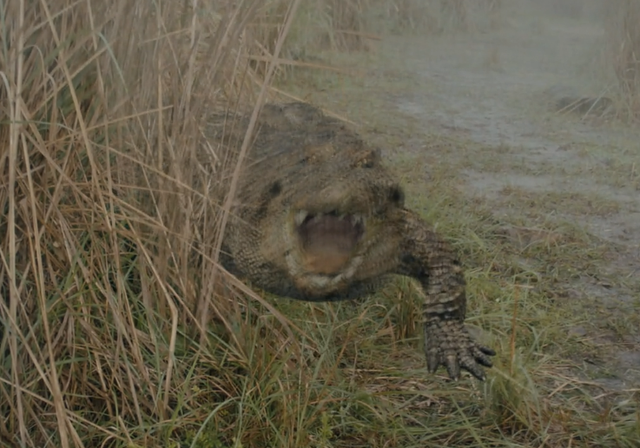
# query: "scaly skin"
x,y
430,260
318,218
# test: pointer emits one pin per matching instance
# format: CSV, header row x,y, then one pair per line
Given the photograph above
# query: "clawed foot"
x,y
448,343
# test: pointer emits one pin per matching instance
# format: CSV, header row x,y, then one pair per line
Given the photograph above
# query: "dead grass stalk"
x,y
624,36
104,205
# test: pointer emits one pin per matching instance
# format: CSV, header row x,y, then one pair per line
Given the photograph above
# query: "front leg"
x,y
431,261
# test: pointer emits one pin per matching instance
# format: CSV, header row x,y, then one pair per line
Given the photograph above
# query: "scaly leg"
x,y
431,261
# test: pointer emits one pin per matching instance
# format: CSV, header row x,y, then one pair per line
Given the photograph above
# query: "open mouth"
x,y
328,240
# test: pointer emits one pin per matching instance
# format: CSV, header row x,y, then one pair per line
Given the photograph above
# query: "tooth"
x,y
320,281
300,217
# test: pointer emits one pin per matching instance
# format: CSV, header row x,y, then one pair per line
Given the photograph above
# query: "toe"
x,y
473,368
453,367
486,350
433,361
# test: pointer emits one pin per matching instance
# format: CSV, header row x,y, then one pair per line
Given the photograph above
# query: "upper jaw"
x,y
302,215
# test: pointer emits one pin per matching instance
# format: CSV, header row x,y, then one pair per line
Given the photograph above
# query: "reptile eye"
x,y
275,189
396,195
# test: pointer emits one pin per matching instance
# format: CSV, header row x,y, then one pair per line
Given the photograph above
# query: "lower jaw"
x,y
319,284
326,261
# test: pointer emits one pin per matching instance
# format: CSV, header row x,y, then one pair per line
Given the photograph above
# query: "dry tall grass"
x,y
624,35
104,204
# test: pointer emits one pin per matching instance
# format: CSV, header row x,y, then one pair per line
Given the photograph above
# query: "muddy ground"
x,y
481,103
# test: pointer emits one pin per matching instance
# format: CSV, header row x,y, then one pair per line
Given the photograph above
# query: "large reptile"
x,y
318,218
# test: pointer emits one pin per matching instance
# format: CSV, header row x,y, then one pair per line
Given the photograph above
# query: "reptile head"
x,y
332,219
319,218
317,213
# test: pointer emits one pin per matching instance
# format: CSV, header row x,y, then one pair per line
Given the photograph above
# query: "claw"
x,y
451,346
433,361
487,350
474,370
453,368
480,354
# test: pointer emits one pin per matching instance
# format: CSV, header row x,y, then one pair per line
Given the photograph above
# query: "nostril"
x,y
396,195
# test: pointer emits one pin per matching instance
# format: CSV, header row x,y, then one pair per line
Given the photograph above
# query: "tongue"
x,y
328,234
328,242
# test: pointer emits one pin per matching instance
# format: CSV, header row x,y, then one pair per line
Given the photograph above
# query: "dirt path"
x,y
491,89
533,168
538,164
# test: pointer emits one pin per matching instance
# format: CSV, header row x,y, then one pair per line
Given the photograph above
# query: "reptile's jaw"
x,y
327,240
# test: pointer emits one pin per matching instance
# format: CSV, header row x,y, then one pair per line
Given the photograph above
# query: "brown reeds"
x,y
624,36
118,326
104,208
